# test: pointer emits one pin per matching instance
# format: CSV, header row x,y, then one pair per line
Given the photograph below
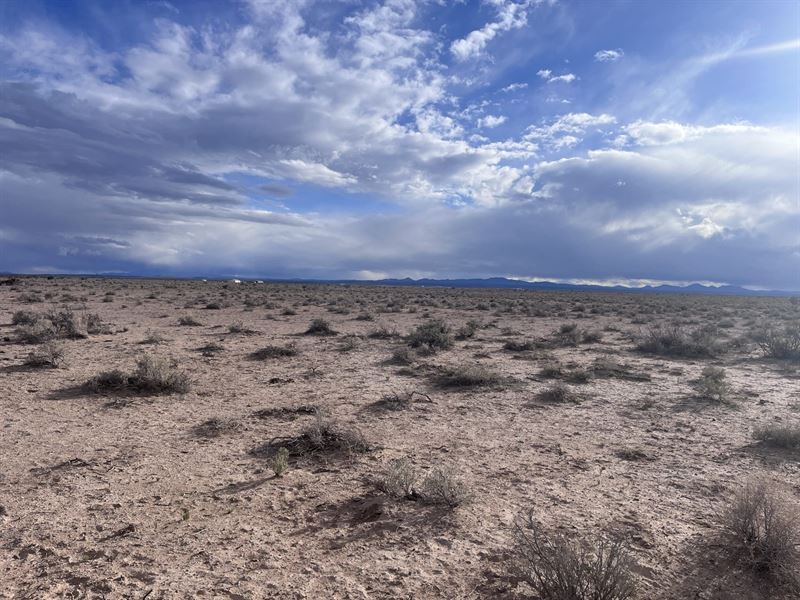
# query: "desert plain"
x,y
357,441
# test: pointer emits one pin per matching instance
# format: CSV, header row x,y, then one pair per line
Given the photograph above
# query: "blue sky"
x,y
620,141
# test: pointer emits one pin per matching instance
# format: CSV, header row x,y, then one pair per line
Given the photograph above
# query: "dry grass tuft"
x,y
558,394
398,479
442,486
268,352
785,437
465,376
216,427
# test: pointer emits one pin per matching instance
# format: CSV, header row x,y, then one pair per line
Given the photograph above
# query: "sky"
x,y
586,141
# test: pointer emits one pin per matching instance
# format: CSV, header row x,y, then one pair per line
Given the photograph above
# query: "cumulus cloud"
x,y
567,130
608,55
490,121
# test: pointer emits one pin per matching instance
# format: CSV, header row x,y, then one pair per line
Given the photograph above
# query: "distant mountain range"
x,y
490,282
505,283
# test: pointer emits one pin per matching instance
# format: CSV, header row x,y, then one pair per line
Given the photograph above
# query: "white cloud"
x,y
510,15
669,132
513,87
567,130
490,121
608,55
548,76
316,173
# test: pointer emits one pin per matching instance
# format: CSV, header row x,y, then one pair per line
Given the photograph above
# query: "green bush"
x,y
432,335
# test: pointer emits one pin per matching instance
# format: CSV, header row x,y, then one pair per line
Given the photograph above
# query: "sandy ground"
x,y
120,496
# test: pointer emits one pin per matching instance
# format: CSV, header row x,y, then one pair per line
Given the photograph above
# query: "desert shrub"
x,y
67,324
672,340
467,376
153,375
779,436
402,401
555,370
211,349
157,375
468,330
280,462
365,317
432,335
557,394
558,568
95,324
213,306
382,332
108,381
288,312
325,435
764,531
37,332
552,370
443,486
35,328
348,343
592,337
49,354
320,327
605,367
631,454
568,335
30,298
517,346
401,356
398,479
237,327
24,317
782,344
188,321
216,427
153,337
712,385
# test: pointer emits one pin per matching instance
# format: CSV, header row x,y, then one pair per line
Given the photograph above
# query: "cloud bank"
x,y
274,146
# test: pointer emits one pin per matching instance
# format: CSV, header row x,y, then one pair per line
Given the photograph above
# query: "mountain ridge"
x,y
475,282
